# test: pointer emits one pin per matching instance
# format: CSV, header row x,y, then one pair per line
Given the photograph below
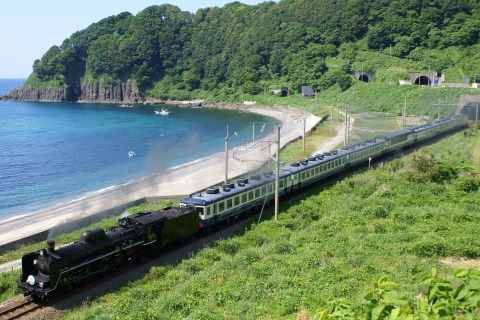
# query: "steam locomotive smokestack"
x,y
50,246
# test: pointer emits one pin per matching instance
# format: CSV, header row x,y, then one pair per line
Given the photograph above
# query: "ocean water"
x,y
52,153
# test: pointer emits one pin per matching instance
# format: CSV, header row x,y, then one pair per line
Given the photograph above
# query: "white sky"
x,y
29,28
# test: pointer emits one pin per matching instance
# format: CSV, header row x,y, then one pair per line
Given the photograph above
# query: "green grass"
x,y
333,241
8,284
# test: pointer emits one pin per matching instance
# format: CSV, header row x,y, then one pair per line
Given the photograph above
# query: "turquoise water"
x,y
51,153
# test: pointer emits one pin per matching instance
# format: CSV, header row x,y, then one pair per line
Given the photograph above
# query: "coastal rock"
x,y
28,93
122,92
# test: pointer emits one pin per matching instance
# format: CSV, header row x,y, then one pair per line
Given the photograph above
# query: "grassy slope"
x,y
332,241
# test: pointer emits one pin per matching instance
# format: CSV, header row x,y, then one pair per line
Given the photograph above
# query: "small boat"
x,y
163,112
126,106
131,154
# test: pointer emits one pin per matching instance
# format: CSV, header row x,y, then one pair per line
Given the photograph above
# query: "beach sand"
x,y
171,184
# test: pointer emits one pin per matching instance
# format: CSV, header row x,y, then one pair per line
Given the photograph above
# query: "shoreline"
x,y
175,182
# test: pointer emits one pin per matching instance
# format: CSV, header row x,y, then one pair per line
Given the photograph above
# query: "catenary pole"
x,y
346,128
277,173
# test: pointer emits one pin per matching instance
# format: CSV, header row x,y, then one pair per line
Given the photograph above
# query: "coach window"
x,y
264,190
244,198
229,203
281,184
257,193
250,195
221,206
214,208
208,211
236,201
270,187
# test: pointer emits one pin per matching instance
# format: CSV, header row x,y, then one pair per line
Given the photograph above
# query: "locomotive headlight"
x,y
31,280
40,284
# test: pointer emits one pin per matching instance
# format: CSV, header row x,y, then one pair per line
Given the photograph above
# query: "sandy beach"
x,y
174,183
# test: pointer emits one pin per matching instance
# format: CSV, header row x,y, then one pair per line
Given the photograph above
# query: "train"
x,y
48,271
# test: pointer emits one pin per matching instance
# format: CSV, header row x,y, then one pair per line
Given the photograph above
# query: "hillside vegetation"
x,y
221,53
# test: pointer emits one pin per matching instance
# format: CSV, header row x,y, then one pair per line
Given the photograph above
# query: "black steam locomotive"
x,y
48,271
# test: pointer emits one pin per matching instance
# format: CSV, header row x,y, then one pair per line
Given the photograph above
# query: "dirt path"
x,y
338,139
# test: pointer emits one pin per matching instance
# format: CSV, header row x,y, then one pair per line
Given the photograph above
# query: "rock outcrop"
x,y
122,92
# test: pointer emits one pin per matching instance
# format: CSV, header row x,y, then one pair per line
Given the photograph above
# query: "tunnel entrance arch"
x,y
364,78
423,81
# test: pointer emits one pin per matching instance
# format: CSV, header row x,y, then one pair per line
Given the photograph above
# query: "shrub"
x,y
467,184
431,248
443,171
228,246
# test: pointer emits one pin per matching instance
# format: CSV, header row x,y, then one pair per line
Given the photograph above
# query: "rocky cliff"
x,y
122,92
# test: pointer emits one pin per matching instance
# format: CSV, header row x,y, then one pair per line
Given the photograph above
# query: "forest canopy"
x,y
242,47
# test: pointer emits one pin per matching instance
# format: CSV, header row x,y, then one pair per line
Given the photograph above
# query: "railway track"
x,y
20,310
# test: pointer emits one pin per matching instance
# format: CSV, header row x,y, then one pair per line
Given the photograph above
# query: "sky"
x,y
28,28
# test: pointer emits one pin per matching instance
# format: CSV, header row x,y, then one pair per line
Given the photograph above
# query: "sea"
x,y
54,153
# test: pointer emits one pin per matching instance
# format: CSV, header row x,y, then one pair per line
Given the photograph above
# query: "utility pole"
x,y
304,133
331,119
346,128
338,111
277,173
438,110
226,153
226,156
476,116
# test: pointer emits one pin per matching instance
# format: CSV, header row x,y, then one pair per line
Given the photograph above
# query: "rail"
x,y
19,310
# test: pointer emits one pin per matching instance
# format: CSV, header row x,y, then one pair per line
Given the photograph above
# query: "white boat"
x,y
126,106
163,112
131,154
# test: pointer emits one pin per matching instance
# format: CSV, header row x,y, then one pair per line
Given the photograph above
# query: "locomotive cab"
x,y
35,280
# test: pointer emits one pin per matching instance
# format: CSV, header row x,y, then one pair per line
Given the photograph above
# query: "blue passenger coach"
x,y
246,195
